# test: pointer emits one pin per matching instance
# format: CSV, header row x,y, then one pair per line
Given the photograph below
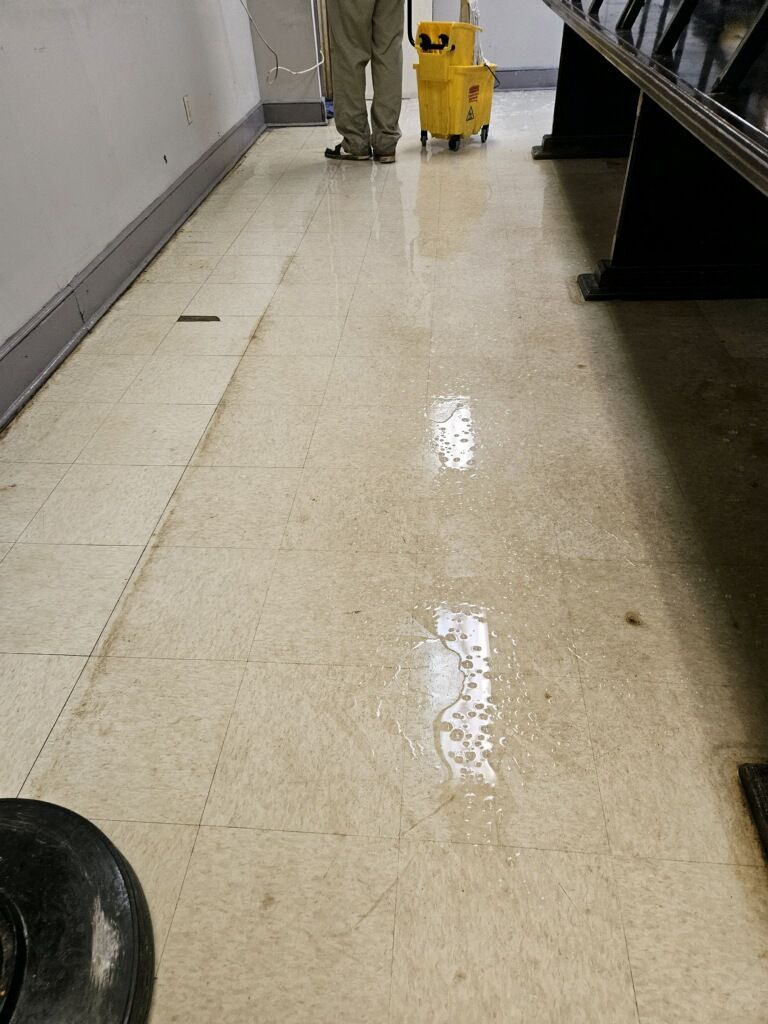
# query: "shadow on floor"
x,y
701,369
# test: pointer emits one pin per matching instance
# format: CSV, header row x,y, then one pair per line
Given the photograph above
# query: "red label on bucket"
x,y
474,93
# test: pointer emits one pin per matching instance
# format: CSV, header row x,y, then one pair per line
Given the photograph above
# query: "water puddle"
x,y
453,434
464,730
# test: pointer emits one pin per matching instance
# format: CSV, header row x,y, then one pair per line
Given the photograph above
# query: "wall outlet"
x,y
188,109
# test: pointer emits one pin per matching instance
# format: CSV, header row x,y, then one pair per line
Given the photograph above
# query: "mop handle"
x,y
410,24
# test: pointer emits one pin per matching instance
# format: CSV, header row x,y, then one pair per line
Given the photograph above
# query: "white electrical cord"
x,y
278,66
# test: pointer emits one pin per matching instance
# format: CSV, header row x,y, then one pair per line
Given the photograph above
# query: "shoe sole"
x,y
346,157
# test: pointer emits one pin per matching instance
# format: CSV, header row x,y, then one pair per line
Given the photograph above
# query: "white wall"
x,y
90,110
290,27
422,11
516,33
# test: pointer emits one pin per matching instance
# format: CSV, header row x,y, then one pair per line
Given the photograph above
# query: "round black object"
x,y
76,942
454,142
484,133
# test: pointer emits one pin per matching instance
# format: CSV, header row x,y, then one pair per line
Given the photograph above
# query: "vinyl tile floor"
x,y
406,625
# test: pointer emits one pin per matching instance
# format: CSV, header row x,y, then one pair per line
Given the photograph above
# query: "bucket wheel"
x,y
484,133
454,142
75,933
423,138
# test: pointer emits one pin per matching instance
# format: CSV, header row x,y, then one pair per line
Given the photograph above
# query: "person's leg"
x,y
387,70
349,23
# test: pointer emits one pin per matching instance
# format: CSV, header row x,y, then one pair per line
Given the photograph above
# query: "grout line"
x,y
56,720
223,743
159,959
273,569
754,866
618,897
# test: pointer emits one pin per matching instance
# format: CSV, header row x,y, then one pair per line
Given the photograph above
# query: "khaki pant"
x,y
364,31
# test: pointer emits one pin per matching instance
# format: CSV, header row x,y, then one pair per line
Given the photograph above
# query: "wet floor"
x,y
405,625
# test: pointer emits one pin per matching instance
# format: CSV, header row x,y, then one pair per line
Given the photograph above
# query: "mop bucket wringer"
x,y
455,93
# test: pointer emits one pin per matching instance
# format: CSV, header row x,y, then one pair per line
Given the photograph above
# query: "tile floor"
x,y
406,626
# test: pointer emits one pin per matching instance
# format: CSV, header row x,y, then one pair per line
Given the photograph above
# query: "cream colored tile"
x,y
496,722
55,599
24,487
392,277
326,902
138,740
35,688
551,948
502,758
523,612
265,243
661,624
217,298
271,218
148,435
487,377
296,335
104,505
4,549
421,245
410,260
371,436
335,608
740,325
200,603
341,222
214,218
318,244
476,524
51,431
337,765
600,412
397,299
152,299
222,507
668,762
303,180
331,299
385,337
309,269
159,855
182,380
357,380
127,335
353,508
343,186
359,176
228,336
280,380
491,441
612,505
199,242
257,436
304,202
175,266
233,205
697,937
251,269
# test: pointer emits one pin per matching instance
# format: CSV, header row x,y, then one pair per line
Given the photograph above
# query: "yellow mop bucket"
x,y
455,94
